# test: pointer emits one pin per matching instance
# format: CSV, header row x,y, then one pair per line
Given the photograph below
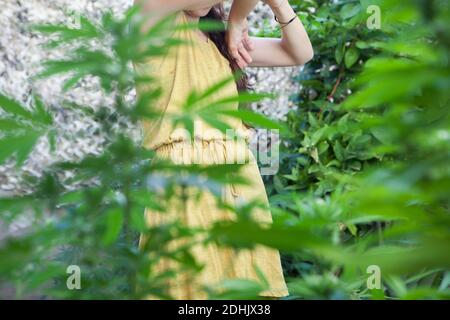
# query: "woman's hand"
x,y
239,42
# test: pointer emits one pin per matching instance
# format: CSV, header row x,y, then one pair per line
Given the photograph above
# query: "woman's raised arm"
x,y
294,48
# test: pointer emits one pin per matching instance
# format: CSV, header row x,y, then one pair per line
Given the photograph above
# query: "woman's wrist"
x,y
276,4
283,11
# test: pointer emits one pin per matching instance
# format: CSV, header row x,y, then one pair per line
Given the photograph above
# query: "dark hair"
x,y
217,13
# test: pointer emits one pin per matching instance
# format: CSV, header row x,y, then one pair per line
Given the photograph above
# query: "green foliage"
x,y
20,128
94,218
366,169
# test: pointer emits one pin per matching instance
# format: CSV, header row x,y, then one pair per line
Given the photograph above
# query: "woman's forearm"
x,y
295,40
241,9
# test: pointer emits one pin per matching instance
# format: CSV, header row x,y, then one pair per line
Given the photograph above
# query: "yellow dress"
x,y
198,66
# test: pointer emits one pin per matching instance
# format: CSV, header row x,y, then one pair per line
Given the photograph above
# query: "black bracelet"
x,y
284,24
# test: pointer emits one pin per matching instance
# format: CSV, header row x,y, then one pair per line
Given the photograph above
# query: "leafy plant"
x,y
93,219
366,170
363,184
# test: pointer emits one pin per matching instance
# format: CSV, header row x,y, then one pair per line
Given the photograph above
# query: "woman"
x,y
212,58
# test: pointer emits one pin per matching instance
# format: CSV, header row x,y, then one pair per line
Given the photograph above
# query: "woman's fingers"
x,y
242,57
235,54
248,43
244,54
240,62
233,43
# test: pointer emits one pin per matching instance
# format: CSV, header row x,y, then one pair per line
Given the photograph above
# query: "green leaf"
x,y
13,108
352,228
215,123
351,56
42,277
27,145
349,10
20,146
41,114
114,222
11,125
339,151
339,53
216,87
313,120
70,83
243,98
51,136
254,119
87,30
